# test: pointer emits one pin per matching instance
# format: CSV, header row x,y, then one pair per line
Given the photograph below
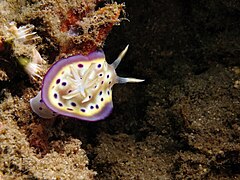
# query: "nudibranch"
x,y
79,87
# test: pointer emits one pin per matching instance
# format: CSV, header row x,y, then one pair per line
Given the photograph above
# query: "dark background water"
x,y
183,121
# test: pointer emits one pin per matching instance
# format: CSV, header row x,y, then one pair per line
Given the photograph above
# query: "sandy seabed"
x,y
183,122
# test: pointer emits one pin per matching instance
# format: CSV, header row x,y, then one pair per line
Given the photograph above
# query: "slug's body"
x,y
79,87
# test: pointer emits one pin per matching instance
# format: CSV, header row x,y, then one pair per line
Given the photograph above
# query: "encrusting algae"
x,y
35,35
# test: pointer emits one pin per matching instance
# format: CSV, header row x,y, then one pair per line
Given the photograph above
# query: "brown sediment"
x,y
189,101
182,123
92,26
31,147
88,27
20,131
3,75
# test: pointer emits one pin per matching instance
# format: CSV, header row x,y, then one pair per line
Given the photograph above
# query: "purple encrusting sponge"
x,y
79,87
